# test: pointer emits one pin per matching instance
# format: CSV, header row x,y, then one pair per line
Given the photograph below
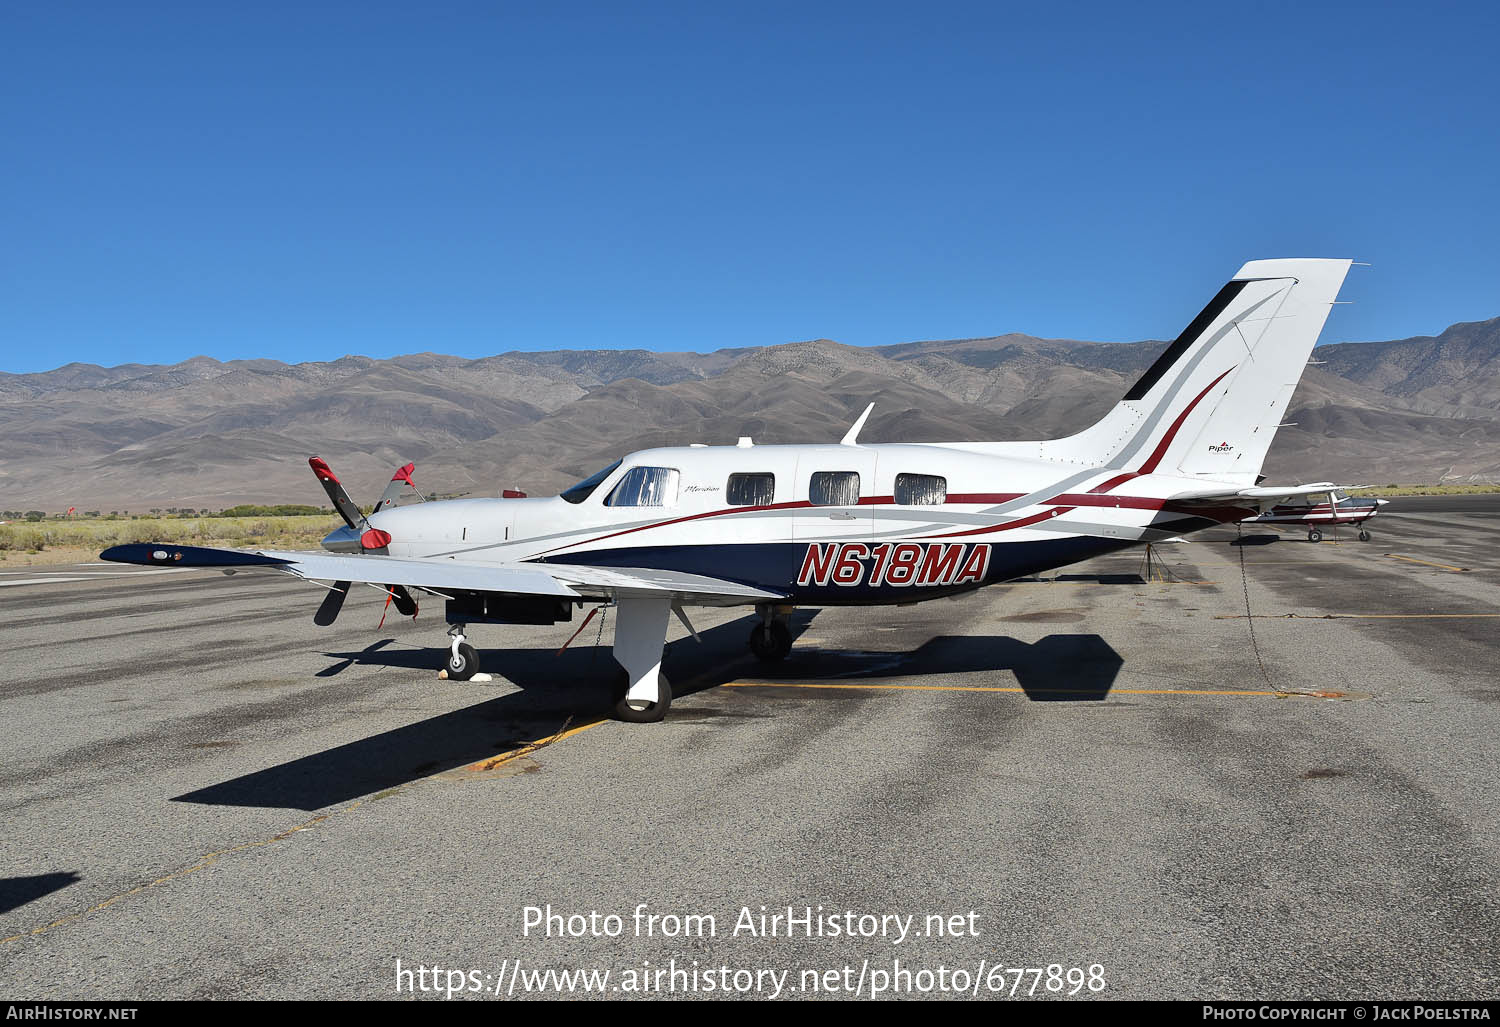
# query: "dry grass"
x,y
1429,490
48,543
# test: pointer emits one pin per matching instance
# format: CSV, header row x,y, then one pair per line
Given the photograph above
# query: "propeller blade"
x,y
328,611
341,501
406,603
399,482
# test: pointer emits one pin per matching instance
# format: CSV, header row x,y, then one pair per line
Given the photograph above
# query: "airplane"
x,y
777,527
1337,508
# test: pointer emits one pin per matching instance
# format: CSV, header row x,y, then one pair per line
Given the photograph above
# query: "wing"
x,y
696,589
570,581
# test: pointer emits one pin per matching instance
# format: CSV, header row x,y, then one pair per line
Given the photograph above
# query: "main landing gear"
x,y
641,711
1314,535
771,639
642,693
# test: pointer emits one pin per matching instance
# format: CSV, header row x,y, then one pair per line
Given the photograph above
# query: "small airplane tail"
x,y
1211,403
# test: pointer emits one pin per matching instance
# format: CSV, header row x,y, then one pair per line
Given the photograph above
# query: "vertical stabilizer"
x,y
1210,404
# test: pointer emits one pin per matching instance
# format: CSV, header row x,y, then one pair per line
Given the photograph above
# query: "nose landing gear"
x,y
463,658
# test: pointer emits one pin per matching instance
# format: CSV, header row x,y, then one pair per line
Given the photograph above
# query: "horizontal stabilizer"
x,y
1230,492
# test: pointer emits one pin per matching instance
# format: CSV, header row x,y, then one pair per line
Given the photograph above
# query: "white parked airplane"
x,y
777,527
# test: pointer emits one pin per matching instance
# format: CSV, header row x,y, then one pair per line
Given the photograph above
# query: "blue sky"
x,y
302,181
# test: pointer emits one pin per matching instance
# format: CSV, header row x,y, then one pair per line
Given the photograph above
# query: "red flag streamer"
x,y
579,631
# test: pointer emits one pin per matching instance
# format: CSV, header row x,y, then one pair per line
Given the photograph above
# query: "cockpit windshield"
x,y
585,488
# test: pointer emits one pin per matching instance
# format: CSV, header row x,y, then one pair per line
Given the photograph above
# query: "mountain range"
x,y
211,434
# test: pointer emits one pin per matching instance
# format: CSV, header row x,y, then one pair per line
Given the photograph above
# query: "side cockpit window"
x,y
646,486
750,490
921,490
585,488
833,488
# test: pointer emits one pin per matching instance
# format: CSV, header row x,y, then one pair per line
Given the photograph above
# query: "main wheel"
x,y
771,642
463,664
1364,536
1314,535
635,711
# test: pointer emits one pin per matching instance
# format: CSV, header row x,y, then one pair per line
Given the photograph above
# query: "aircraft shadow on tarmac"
x,y
574,688
17,891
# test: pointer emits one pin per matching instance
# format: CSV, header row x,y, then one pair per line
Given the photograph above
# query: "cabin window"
x,y
750,490
921,490
834,488
585,488
645,486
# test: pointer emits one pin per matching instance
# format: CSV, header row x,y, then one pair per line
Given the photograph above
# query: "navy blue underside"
x,y
775,566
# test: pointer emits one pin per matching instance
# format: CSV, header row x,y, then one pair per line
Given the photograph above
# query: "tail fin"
x,y
1210,404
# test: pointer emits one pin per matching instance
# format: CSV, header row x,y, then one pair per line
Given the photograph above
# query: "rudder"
x,y
1209,406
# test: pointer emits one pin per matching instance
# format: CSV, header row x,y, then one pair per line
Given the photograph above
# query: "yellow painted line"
x,y
211,858
1429,563
1358,616
866,686
490,763
1111,584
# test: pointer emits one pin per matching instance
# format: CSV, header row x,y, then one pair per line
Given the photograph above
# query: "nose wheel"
x,y
1314,535
463,658
1364,536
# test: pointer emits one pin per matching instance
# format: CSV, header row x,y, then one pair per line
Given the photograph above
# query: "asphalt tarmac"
x,y
207,796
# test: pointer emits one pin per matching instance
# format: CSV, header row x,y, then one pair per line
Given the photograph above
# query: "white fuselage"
x,y
979,513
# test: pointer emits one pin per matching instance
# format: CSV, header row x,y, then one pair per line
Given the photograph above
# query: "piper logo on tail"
x,y
848,564
1222,447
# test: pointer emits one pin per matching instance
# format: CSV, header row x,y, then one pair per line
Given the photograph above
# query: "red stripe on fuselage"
x,y
1061,503
682,520
1161,447
1018,523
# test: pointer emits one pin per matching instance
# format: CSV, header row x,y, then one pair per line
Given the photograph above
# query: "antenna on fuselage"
x,y
852,436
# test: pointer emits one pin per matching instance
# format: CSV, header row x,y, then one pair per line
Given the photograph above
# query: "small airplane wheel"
x,y
1364,536
464,664
1314,535
771,643
634,711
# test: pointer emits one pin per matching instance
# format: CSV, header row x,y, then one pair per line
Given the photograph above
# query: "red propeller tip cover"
x,y
321,469
404,474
